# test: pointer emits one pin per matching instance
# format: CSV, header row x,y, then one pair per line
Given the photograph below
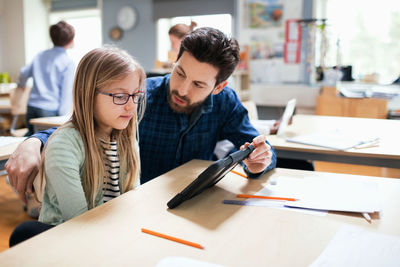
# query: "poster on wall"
x,y
292,46
265,13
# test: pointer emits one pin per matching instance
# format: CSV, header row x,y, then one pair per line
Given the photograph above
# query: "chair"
x,y
251,109
19,100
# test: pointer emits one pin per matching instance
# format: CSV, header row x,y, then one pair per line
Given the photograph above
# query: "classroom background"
x,y
335,57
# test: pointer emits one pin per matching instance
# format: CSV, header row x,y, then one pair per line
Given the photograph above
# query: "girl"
x,y
93,157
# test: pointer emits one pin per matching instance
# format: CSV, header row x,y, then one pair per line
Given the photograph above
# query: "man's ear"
x,y
219,87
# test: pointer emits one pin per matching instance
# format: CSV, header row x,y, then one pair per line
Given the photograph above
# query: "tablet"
x,y
287,114
210,176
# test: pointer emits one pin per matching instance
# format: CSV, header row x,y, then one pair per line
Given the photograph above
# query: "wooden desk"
x,y
387,154
232,235
44,123
6,151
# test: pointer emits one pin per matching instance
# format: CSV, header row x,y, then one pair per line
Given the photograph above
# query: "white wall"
x,y
1,44
271,70
23,33
12,52
36,28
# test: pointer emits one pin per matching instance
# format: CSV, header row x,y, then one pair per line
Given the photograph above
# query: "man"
x,y
187,112
53,75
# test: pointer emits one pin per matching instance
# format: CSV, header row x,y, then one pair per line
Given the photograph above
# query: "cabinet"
x,y
329,103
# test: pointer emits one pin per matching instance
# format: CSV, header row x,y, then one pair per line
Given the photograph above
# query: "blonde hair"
x,y
97,70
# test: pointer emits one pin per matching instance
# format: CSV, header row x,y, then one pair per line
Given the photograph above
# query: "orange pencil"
x,y
266,197
172,238
238,173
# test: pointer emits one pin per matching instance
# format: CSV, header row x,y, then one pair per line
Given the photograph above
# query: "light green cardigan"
x,y
64,197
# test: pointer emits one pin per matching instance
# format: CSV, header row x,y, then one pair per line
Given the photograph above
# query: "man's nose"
x,y
184,88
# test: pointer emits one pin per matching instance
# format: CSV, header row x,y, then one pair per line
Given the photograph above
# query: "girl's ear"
x,y
219,87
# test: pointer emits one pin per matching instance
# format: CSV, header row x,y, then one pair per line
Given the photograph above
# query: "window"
x,y
88,34
364,34
224,22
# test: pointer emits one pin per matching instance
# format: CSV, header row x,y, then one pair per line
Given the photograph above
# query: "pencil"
x,y
172,238
238,173
266,197
366,216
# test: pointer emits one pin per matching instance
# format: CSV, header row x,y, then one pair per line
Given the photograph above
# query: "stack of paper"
x,y
333,140
329,194
338,194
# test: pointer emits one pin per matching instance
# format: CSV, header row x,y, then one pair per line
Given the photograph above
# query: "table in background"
x,y
5,90
232,235
387,154
44,123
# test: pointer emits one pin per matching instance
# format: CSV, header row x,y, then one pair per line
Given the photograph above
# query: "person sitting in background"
x,y
94,157
52,71
176,33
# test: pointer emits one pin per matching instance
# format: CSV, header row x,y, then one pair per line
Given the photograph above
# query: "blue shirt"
x,y
53,77
169,139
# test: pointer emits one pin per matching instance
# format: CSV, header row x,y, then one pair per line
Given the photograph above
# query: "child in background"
x,y
94,157
53,75
176,34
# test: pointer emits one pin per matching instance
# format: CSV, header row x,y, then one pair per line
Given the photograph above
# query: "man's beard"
x,y
188,109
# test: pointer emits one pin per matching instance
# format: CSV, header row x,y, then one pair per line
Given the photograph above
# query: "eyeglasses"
x,y
122,98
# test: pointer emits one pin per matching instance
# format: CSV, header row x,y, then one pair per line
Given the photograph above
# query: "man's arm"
x,y
23,165
238,129
24,75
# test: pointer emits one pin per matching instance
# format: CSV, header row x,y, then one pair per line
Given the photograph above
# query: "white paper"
x,y
288,187
333,140
184,262
353,246
6,140
337,194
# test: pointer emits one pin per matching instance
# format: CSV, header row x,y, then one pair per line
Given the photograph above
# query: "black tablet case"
x,y
210,176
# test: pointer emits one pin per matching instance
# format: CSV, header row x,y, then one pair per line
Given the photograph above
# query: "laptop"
x,y
287,114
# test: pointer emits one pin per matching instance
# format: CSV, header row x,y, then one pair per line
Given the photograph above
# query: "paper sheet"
x,y
325,194
334,140
336,194
353,246
284,187
6,140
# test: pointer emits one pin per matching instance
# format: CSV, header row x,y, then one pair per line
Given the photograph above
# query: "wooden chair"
x,y
251,109
19,100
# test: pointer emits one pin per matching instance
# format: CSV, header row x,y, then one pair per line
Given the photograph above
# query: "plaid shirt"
x,y
169,139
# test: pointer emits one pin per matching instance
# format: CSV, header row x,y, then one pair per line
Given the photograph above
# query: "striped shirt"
x,y
111,188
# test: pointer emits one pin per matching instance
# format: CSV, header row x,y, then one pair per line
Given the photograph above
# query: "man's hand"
x,y
261,157
23,166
